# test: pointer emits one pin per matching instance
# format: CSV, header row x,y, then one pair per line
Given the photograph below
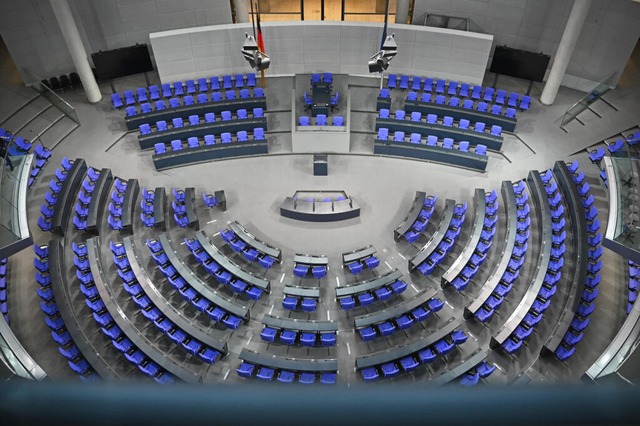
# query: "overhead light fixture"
x,y
257,60
380,61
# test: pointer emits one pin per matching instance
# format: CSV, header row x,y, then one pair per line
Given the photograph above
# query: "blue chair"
x,y
404,82
347,302
308,305
258,92
333,101
447,121
412,96
290,303
398,136
425,97
525,102
440,85
321,120
216,96
482,107
415,138
315,78
432,118
512,100
338,120
432,140
496,130
304,120
488,94
384,113
225,137
384,93
116,100
392,81
400,114
440,100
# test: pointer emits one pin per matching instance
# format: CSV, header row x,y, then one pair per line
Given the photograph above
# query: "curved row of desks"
x,y
149,140
394,311
436,154
132,332
290,364
252,241
297,291
410,218
436,238
165,306
312,326
63,209
358,255
541,205
129,204
99,198
198,285
204,153
507,124
320,211
59,286
573,199
480,208
184,111
231,266
509,198
407,126
408,349
369,285
457,370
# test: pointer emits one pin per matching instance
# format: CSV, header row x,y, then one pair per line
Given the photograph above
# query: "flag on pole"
x,y
384,29
260,39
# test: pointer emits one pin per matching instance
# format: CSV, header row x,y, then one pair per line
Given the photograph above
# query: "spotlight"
x,y
259,61
380,61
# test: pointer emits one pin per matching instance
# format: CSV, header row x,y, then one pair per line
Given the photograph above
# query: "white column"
x,y
76,49
565,50
402,11
242,12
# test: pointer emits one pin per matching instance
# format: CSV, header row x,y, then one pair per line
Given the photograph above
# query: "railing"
x,y
55,100
586,101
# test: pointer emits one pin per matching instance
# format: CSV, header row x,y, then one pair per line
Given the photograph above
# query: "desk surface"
x,y
313,326
248,238
407,222
394,311
369,285
436,238
291,364
311,259
358,254
296,291
436,154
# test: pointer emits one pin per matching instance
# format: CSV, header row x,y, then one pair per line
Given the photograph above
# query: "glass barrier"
x,y
445,21
587,100
55,100
328,10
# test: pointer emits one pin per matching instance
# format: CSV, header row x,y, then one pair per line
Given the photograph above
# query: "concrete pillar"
x,y
76,49
565,50
402,11
242,10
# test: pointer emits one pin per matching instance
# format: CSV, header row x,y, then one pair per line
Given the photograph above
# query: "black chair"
x,y
75,79
55,83
65,81
45,82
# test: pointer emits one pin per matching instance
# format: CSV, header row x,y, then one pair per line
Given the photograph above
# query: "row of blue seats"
x,y
208,140
368,297
302,271
194,120
167,90
305,338
431,140
410,363
3,289
447,121
421,222
466,103
516,258
247,370
402,322
178,204
615,147
326,77
115,206
178,282
369,262
202,98
554,268
147,204
106,322
81,207
451,235
47,209
59,332
321,120
152,313
249,253
17,144
473,376
454,88
634,284
306,304
481,250
42,154
580,321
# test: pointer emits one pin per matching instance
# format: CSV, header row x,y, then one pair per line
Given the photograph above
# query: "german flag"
x,y
260,39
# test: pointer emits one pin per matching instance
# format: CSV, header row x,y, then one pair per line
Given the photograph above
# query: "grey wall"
x,y
31,32
607,39
305,47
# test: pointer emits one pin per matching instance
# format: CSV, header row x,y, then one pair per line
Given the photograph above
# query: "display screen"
x,y
121,62
519,63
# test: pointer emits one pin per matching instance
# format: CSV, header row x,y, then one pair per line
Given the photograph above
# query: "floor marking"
x,y
282,277
249,341
402,256
211,221
348,349
338,281
387,263
216,234
328,316
182,243
271,310
414,287
226,375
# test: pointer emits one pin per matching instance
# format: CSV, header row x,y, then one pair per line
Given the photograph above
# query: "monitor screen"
x,y
122,62
519,63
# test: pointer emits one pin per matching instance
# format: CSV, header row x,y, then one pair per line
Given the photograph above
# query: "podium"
x,y
320,165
